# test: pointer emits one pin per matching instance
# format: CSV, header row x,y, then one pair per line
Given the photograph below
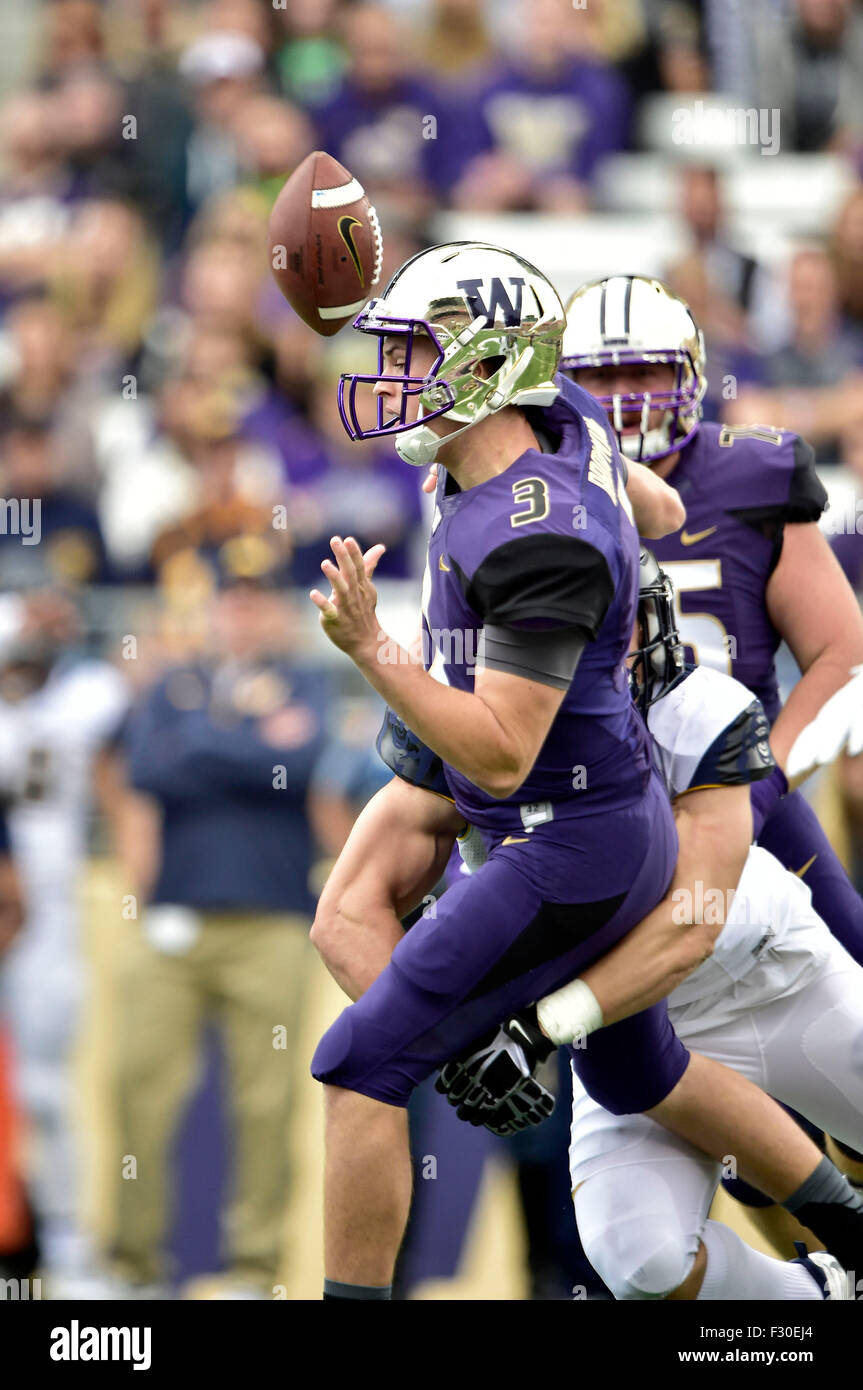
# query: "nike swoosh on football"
x,y
346,226
686,539
516,840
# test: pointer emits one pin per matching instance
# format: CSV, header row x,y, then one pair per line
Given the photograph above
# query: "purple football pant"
x,y
794,835
525,923
630,1066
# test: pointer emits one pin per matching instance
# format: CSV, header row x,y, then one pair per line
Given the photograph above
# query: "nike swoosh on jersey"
x,y
442,566
798,873
516,840
686,539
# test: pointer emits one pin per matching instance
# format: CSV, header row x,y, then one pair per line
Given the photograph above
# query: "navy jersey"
x,y
550,543
229,753
740,485
708,731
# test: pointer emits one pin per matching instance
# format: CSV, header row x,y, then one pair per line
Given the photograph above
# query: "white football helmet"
x,y
476,303
633,320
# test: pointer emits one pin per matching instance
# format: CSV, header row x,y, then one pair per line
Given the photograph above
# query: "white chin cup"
x,y
418,446
638,447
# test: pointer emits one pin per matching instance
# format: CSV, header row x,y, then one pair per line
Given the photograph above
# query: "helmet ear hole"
x,y
488,367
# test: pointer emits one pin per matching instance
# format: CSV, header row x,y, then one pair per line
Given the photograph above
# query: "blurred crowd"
x,y
157,393
177,425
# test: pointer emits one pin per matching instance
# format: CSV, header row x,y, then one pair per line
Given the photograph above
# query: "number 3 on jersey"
x,y
532,495
705,634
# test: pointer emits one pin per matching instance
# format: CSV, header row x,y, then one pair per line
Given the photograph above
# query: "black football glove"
x,y
529,1104
495,1073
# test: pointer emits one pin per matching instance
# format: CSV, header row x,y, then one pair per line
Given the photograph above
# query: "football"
x,y
325,243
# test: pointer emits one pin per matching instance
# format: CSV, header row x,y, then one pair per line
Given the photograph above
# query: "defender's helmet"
x,y
658,662
629,320
476,303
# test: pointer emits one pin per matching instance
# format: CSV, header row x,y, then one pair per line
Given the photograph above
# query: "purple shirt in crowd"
x,y
563,123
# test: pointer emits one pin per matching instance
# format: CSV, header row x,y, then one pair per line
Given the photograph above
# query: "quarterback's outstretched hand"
x,y
348,616
492,1083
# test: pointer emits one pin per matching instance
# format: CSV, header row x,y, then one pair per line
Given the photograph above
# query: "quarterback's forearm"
x,y
491,735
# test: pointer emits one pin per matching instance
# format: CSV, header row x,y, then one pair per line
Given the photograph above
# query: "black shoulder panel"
x,y
559,580
807,496
741,754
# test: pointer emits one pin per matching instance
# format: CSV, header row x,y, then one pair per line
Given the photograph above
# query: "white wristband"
x,y
570,1011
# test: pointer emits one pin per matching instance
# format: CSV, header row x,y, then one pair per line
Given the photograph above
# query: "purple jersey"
x,y
562,124
740,485
548,543
386,138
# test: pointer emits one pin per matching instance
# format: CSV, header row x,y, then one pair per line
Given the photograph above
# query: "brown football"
x,y
325,244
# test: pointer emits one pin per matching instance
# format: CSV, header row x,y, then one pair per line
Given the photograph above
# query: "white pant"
x,y
41,992
794,1026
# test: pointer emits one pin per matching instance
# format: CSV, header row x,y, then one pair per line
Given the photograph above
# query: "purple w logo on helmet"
x,y
497,298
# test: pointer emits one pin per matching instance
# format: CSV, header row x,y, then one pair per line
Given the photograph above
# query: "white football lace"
x,y
374,223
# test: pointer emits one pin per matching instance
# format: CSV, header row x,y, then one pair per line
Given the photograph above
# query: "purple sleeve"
x,y
848,550
765,796
631,1066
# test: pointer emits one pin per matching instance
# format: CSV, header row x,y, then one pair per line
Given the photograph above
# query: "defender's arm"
x,y
714,828
395,854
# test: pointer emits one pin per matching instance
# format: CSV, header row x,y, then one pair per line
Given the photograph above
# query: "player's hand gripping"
x,y
348,616
493,1083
